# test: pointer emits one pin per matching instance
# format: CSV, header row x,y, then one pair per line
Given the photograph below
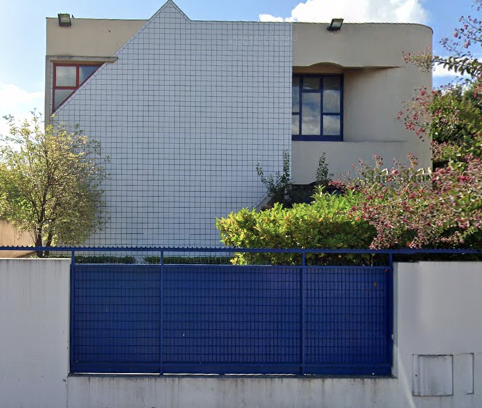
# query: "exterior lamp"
x,y
335,24
64,20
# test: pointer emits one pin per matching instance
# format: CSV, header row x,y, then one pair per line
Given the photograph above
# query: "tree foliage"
x,y
50,182
410,208
451,117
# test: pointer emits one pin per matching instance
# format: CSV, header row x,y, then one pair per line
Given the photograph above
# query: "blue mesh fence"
x,y
226,319
116,318
347,320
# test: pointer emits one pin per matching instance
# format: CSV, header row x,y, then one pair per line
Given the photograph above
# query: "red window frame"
x,y
77,65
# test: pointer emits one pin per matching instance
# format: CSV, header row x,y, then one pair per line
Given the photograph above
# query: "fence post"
x,y
302,289
390,300
72,311
161,316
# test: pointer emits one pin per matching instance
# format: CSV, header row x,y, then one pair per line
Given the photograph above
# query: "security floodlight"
x,y
336,24
64,20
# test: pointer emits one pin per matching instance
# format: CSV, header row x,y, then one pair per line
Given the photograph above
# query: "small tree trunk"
x,y
38,243
48,243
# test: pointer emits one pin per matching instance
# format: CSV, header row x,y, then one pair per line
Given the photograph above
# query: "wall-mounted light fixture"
x,y
64,20
335,24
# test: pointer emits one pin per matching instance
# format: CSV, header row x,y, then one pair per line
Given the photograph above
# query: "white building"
x,y
187,109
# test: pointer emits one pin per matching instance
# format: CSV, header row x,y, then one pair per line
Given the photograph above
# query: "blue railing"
x,y
226,319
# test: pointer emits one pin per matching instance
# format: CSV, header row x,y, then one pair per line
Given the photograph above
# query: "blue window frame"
x,y
317,107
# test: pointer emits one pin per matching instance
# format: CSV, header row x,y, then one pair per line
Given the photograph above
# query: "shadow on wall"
x,y
9,236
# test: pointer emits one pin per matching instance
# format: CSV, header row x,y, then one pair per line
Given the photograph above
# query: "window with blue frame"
x,y
317,107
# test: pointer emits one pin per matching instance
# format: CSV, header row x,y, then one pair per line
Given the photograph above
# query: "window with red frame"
x,y
67,78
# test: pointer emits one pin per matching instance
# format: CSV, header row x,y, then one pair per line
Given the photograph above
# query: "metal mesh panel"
x,y
346,319
231,319
117,318
231,316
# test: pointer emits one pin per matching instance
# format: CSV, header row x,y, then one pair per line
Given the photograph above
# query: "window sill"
x,y
317,138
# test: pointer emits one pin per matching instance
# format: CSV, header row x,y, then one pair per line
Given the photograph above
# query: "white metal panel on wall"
x,y
433,376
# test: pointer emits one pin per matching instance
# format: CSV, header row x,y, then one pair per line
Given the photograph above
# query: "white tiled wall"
x,y
185,114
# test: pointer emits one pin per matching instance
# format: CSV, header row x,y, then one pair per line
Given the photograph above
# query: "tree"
x,y
451,117
50,182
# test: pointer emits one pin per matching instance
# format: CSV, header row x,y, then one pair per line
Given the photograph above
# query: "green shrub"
x,y
281,189
327,223
278,186
408,209
185,260
105,259
323,175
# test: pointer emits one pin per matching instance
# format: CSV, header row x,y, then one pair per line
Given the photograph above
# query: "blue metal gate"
x,y
225,319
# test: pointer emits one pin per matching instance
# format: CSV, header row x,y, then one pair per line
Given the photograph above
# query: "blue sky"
x,y
22,28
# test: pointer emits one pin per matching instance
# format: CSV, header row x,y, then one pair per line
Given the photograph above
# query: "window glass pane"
x,y
66,76
61,95
331,101
331,125
295,125
332,83
296,95
311,83
332,94
311,115
86,71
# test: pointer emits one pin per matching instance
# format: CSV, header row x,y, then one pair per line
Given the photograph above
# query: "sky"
x,y
22,29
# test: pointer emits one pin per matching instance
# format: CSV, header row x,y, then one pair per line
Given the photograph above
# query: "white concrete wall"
x,y
185,114
437,313
34,333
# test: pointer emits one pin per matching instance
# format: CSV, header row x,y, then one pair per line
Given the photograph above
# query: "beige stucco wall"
x,y
9,236
89,37
86,40
358,45
376,83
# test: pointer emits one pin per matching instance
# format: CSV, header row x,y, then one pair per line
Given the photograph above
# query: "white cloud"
x,y
269,17
441,72
18,102
356,11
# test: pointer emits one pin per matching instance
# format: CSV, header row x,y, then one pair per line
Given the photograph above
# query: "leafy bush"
x,y
323,175
105,259
281,189
185,260
278,185
328,222
442,209
95,259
